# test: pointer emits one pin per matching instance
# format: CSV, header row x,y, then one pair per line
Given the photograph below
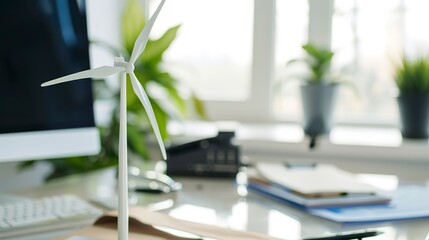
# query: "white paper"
x,y
318,180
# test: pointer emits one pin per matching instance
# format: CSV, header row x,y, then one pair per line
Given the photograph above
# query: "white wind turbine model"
x,y
124,68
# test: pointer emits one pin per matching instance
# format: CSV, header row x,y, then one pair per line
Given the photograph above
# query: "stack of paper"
x,y
312,186
408,202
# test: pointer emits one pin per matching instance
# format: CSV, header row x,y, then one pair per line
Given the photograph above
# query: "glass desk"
x,y
225,203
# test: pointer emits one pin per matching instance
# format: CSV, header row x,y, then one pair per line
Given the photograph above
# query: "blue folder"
x,y
408,202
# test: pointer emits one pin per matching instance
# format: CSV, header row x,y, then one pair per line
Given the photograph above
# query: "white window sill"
x,y
288,141
355,149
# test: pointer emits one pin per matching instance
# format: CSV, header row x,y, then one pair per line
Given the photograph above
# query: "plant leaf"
x,y
117,51
155,48
292,61
136,141
318,60
199,106
133,21
162,119
412,75
24,165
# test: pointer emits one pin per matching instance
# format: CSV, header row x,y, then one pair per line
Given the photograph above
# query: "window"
x,y
225,53
233,53
273,34
291,34
368,38
213,50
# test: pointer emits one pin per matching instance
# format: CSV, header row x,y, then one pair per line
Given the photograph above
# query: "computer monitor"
x,y
42,40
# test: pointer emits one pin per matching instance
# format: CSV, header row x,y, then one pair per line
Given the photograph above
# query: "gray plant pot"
x,y
414,112
318,105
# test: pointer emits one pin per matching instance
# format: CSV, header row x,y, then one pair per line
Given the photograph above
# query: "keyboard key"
x,y
51,213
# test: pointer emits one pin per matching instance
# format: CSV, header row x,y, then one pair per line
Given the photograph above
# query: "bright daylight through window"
x,y
214,53
214,47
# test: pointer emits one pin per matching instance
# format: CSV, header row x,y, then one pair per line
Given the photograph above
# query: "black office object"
x,y
211,157
348,235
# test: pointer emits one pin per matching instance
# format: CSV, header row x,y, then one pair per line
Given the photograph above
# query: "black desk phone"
x,y
211,157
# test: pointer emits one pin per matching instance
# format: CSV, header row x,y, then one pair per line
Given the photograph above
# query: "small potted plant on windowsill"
x,y
412,80
318,91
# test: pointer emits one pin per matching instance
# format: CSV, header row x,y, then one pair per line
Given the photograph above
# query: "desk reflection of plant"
x,y
150,73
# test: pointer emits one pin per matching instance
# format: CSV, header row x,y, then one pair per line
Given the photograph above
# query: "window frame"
x,y
258,107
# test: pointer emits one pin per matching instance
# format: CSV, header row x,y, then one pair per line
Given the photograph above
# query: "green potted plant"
x,y
412,79
149,72
318,90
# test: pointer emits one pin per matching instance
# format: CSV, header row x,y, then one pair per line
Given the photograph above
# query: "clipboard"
x,y
314,180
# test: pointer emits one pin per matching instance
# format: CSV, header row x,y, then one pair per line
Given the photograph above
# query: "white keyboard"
x,y
30,216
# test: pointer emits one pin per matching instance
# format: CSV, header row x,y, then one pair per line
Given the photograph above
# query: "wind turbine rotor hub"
x,y
129,67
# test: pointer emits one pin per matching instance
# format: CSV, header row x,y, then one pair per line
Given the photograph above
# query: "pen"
x,y
348,235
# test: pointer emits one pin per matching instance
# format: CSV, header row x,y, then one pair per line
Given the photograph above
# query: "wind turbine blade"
x,y
99,72
143,37
141,94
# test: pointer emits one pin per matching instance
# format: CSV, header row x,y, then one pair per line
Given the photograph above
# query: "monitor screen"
x,y
42,40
